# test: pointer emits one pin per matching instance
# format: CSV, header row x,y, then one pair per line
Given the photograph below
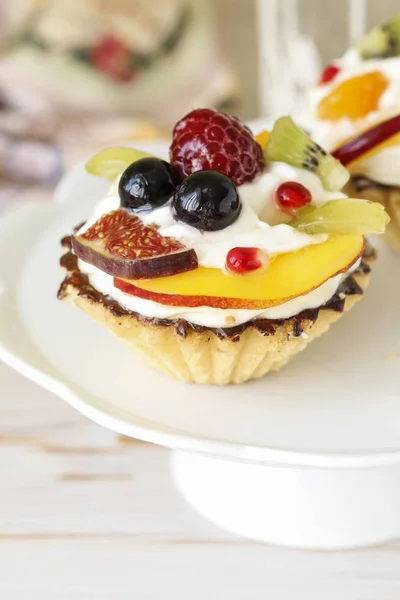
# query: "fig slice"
x,y
122,246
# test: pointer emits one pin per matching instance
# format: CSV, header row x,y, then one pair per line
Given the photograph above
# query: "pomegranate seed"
x,y
328,74
245,260
291,196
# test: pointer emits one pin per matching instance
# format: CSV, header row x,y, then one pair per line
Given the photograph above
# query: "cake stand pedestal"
x,y
310,508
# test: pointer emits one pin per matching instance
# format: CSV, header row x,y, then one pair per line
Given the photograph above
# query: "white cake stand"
x,y
308,457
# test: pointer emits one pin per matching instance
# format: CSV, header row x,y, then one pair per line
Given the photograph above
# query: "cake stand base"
x,y
295,507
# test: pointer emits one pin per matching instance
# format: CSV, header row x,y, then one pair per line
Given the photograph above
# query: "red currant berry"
x,y
245,260
328,74
291,196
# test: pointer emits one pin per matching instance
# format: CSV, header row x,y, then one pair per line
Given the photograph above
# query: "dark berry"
x,y
206,200
147,184
207,139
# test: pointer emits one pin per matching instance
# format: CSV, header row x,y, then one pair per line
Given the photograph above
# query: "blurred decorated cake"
x,y
150,59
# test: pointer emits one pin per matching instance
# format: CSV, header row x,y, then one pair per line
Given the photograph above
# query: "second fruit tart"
x,y
354,112
224,263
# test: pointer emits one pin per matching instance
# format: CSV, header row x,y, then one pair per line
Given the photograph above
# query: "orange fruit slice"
x,y
353,98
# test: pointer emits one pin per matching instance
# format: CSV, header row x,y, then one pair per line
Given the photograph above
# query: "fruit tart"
x,y
222,264
354,112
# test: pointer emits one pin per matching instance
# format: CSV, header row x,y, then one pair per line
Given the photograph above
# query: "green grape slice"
x,y
111,162
341,217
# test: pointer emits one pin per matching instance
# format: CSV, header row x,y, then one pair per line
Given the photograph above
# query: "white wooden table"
x,y
85,514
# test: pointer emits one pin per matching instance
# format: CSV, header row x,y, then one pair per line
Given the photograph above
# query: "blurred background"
x,y
79,74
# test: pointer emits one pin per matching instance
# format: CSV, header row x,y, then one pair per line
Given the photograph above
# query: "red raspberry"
x,y
207,139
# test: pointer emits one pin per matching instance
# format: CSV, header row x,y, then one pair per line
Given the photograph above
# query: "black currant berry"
x,y
147,183
206,200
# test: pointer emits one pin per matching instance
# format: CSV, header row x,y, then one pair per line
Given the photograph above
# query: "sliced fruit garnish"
x,y
342,216
111,162
354,98
288,143
120,245
381,42
288,276
363,144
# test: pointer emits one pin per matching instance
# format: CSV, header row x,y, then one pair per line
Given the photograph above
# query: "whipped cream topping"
x,y
249,230
382,165
212,247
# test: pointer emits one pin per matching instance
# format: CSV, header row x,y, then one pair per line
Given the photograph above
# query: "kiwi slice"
x,y
383,41
288,143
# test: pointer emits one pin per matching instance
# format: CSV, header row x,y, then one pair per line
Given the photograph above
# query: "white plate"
x,y
335,405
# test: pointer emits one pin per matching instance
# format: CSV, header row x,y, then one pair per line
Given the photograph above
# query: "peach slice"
x,y
288,276
354,98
